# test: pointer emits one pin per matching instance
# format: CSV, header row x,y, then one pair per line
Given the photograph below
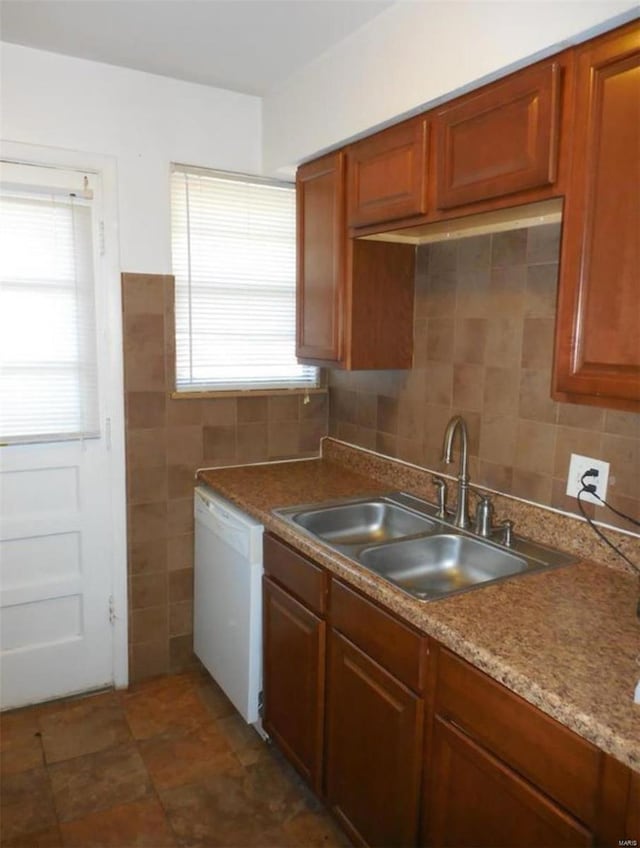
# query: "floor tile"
x,y
218,814
26,804
22,757
49,838
168,711
83,727
240,735
98,781
141,824
18,728
173,761
313,830
214,698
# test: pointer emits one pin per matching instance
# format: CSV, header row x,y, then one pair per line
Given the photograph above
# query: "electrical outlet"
x,y
577,466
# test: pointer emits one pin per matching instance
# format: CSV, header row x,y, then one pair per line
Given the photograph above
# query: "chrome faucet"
x,y
457,423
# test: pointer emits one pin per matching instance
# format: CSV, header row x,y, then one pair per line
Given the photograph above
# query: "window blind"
x,y
234,251
48,374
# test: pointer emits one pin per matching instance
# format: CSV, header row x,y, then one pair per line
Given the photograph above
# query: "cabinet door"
x,y
475,801
294,659
321,236
374,746
501,141
387,175
598,325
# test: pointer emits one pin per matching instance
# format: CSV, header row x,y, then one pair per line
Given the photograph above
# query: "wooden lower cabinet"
x,y
294,663
373,749
475,801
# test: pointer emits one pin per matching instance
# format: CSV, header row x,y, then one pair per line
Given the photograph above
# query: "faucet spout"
x,y
458,425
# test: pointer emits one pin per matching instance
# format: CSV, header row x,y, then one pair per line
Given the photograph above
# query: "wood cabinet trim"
x,y
579,375
309,763
331,167
400,148
298,575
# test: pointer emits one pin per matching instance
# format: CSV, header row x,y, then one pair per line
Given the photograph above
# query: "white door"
x,y
56,546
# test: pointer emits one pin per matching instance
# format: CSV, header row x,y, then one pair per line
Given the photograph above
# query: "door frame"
x,y
113,389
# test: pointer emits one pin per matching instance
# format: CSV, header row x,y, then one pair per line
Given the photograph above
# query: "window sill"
x,y
231,393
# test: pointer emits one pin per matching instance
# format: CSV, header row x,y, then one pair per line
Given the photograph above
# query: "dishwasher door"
x,y
227,599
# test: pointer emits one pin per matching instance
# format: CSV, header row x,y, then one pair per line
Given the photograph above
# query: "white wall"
x,y
412,54
143,121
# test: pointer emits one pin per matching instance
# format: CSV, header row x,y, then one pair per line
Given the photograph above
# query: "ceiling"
x,y
244,45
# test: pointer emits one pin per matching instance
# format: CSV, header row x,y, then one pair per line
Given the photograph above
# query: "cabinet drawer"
x,y
554,758
386,175
500,141
298,575
386,640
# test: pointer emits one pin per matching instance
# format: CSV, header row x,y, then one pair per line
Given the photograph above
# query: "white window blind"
x,y
48,379
234,253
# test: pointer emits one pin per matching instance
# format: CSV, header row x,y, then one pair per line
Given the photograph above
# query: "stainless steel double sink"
x,y
400,538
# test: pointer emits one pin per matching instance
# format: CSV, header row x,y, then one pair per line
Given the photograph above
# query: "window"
x,y
48,372
233,242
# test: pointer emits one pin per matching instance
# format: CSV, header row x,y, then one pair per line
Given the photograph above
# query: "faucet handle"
x,y
507,532
484,517
441,485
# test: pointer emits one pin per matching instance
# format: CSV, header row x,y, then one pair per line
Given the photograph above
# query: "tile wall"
x,y
167,440
483,336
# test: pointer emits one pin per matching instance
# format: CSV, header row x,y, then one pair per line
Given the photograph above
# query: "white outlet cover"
x,y
577,466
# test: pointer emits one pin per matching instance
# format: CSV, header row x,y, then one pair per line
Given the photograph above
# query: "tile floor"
x,y
168,762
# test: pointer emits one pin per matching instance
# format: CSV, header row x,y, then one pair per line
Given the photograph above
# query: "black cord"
x,y
617,511
599,533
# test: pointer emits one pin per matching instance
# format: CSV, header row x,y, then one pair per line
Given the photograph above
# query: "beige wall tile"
x,y
149,624
184,445
531,486
148,659
149,590
221,412
470,340
147,522
252,409
468,386
147,485
535,447
179,517
142,293
283,439
509,248
146,449
180,480
283,408
387,416
182,411
150,556
573,440
501,390
535,400
537,343
181,618
145,409
440,334
181,656
252,442
180,585
180,552
219,445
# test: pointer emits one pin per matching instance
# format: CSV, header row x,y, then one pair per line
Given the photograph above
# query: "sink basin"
x,y
362,523
402,539
442,564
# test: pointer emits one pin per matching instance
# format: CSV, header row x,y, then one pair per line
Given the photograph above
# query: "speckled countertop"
x,y
566,640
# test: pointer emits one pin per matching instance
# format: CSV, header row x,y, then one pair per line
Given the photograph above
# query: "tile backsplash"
x,y
167,440
483,347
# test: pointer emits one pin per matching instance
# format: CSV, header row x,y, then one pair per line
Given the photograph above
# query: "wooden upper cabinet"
x,y
321,237
498,142
387,175
597,354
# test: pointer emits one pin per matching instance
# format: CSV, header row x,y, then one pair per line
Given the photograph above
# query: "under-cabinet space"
x,y
387,175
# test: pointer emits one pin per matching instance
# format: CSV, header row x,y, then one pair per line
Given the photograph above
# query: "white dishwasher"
x,y
227,599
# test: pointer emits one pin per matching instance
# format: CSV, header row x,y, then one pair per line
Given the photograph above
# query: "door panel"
x,y
55,571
